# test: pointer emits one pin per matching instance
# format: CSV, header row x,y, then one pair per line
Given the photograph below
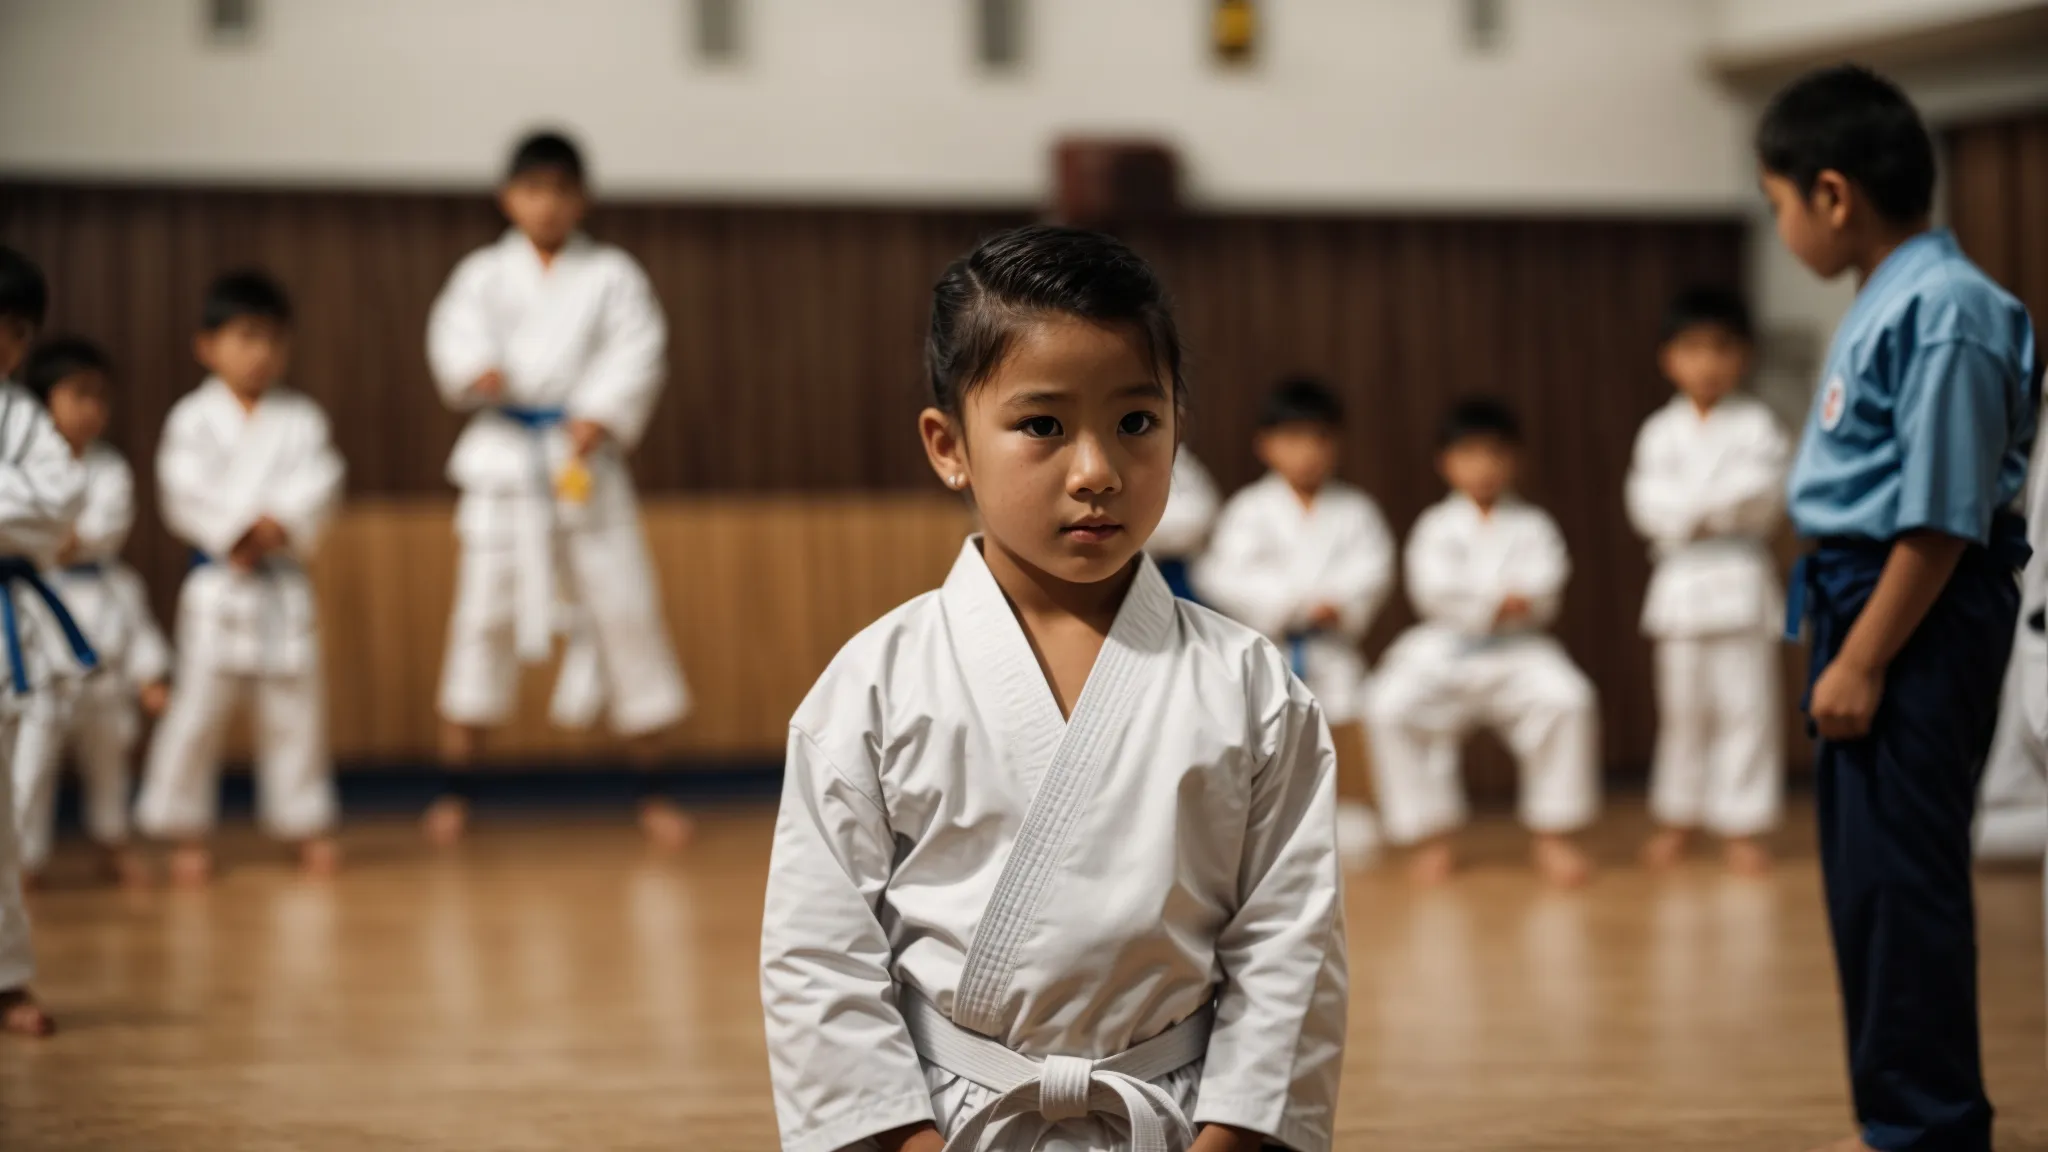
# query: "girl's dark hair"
x,y
1015,276
245,293
1705,306
546,151
1477,416
1302,400
24,294
1850,119
58,359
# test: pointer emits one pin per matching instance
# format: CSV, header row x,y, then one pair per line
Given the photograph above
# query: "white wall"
x,y
1770,25
1592,104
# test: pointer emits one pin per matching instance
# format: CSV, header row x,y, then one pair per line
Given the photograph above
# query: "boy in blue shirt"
x,y
1916,444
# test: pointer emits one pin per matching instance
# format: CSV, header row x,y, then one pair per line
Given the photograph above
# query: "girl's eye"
x,y
1040,427
1137,424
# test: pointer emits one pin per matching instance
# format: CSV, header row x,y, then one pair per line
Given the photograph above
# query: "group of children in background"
x,y
1308,560
553,340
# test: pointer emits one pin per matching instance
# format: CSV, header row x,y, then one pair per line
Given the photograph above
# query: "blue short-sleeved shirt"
x,y
1926,408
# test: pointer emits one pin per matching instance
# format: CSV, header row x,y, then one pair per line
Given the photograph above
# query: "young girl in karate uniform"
x,y
1056,866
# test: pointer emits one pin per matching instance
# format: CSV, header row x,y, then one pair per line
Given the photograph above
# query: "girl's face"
x,y
1068,448
1814,227
79,409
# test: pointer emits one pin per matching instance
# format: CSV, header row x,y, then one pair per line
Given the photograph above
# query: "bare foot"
x,y
320,857
1665,849
1746,857
21,1015
125,866
1560,861
191,866
445,821
1432,863
668,827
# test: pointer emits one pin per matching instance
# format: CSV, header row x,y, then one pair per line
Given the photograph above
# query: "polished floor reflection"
x,y
553,987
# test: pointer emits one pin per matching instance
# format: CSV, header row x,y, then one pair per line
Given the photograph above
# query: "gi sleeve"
x,y
1541,572
1358,583
42,485
1281,1010
197,505
461,345
306,500
1748,497
109,512
1953,412
1239,576
839,1056
623,382
1660,503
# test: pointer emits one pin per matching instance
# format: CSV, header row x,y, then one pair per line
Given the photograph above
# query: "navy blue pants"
x,y
1895,809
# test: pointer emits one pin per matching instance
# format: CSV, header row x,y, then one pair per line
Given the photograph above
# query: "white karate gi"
x,y
244,635
42,489
1707,493
99,718
1272,561
950,848
1454,670
1190,512
579,338
2012,818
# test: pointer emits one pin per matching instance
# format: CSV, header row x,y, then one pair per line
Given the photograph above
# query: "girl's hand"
x,y
1513,610
1845,699
1218,1138
916,1138
585,436
156,696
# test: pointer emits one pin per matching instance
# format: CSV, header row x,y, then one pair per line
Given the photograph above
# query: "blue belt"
x,y
2007,546
533,419
263,568
16,569
1297,653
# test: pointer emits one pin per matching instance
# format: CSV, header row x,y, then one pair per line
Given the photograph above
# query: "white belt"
x,y
1064,1087
537,614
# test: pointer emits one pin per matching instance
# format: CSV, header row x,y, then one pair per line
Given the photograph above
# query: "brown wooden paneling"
x,y
760,591
1559,317
795,348
1998,202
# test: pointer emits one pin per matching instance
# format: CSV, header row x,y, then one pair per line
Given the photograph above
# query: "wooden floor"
x,y
551,987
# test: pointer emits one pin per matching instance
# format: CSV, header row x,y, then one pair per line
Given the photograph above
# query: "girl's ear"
x,y
945,445
1831,196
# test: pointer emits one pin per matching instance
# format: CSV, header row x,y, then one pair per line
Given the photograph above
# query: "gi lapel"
x,y
1065,758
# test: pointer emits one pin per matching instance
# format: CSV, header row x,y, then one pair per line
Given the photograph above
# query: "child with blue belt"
x,y
1916,444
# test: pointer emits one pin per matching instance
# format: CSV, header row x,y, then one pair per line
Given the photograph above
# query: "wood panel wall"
x,y
794,360
760,592
1998,203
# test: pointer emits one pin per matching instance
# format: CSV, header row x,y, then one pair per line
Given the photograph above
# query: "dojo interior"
x,y
1414,199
